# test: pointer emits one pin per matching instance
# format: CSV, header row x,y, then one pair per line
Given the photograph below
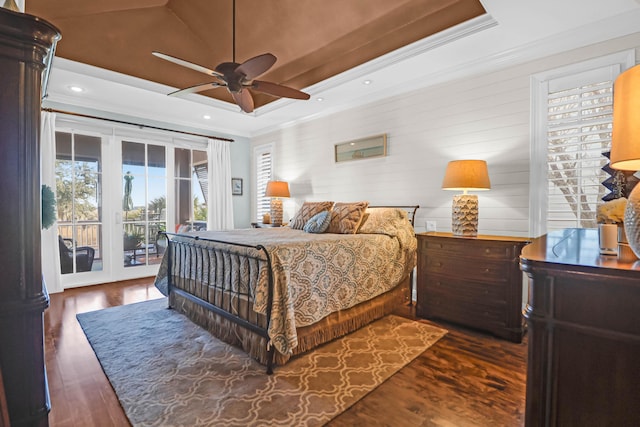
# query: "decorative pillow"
x,y
383,221
347,217
318,223
308,210
365,217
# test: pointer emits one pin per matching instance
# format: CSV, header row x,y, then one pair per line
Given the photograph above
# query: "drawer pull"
x,y
486,270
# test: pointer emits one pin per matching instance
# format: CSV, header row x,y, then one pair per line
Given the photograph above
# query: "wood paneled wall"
x,y
486,117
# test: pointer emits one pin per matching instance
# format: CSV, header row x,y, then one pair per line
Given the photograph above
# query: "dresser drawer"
x,y
465,268
466,313
485,249
467,291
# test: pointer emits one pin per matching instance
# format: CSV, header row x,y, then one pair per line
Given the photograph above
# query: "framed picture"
x,y
364,148
236,186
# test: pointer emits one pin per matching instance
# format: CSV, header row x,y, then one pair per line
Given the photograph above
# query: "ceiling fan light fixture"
x,y
238,78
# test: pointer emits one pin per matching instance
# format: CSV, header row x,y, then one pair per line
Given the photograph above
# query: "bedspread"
x,y
317,274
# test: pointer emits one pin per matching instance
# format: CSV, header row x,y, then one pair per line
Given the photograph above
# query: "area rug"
x,y
167,371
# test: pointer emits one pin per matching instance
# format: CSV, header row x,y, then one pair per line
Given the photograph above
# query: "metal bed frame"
x,y
190,257
208,264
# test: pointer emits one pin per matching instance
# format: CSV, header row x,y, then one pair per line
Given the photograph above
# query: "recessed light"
x,y
366,82
206,117
320,99
76,89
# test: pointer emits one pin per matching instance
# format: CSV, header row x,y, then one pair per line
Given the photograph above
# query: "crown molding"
x,y
577,38
443,38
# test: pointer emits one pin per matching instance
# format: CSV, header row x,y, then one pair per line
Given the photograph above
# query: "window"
x,y
572,131
264,170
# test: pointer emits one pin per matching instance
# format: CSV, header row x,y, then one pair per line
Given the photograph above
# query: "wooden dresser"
x,y
472,281
584,333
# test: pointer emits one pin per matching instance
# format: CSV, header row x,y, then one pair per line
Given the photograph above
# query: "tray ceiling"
x,y
312,39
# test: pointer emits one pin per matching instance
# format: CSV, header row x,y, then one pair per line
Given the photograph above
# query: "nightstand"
x,y
472,281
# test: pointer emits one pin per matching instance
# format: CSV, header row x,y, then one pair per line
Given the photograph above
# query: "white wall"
x,y
484,117
241,168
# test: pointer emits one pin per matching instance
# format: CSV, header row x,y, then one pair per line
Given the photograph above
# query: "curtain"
x,y
49,237
220,209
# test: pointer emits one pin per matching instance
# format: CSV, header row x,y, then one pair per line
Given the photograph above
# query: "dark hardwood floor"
x,y
466,379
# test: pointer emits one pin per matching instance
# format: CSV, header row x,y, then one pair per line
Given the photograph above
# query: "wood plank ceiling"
x,y
312,39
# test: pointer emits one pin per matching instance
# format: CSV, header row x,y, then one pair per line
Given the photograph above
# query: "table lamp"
x,y
625,145
276,190
465,175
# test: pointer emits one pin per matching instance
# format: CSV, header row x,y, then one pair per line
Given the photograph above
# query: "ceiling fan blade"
x,y
244,100
187,64
252,68
278,90
196,88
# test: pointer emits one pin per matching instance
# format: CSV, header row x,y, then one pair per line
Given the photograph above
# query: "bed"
x,y
280,292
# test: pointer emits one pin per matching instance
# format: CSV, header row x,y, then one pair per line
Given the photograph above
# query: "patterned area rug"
x,y
167,371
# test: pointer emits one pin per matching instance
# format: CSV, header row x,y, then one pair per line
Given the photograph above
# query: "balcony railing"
x,y
88,233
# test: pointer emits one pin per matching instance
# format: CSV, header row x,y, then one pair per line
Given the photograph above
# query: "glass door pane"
x,y
144,183
79,202
191,189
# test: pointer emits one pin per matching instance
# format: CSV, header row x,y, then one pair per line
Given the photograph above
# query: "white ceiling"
x,y
513,31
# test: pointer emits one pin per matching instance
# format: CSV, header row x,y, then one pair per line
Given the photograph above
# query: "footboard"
x,y
222,277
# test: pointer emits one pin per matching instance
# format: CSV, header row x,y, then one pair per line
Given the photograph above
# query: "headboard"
x,y
411,211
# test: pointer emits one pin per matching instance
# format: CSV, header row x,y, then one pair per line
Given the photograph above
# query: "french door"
x,y
115,194
111,206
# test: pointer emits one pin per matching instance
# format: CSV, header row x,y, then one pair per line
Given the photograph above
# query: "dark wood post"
x,y
25,42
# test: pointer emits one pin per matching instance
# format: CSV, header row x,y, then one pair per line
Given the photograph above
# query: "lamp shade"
x,y
466,175
277,189
625,138
625,148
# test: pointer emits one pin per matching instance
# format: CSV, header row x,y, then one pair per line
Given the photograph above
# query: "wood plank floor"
x,y
466,379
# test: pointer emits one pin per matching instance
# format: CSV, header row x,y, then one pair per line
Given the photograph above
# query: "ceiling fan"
x,y
237,78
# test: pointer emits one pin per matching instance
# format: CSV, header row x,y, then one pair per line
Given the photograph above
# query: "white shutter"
x,y
579,119
263,164
570,129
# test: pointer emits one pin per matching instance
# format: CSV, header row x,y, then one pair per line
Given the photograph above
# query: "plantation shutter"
x,y
263,175
579,123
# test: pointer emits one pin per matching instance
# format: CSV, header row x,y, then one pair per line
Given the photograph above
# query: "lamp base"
x,y
464,215
632,220
276,211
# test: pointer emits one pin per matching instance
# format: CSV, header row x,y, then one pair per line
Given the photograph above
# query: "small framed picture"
x,y
236,186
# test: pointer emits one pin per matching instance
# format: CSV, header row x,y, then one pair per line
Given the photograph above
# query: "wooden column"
x,y
25,42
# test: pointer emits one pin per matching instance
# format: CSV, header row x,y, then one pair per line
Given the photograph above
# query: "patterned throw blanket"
x,y
318,274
